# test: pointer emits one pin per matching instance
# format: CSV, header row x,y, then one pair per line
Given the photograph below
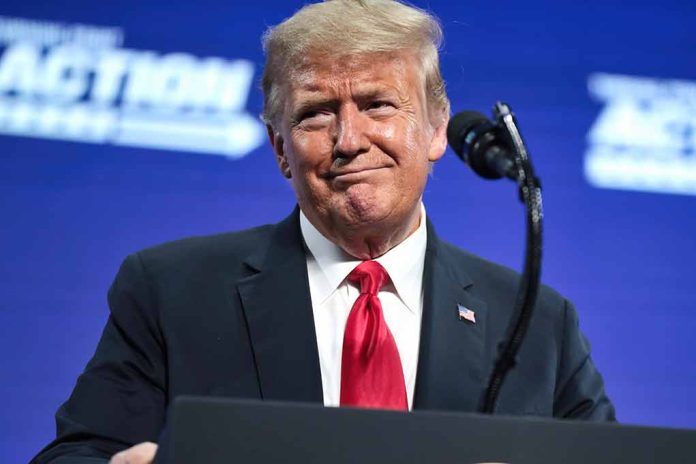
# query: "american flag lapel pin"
x,y
465,314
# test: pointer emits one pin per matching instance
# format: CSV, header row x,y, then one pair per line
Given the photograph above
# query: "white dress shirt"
x,y
333,297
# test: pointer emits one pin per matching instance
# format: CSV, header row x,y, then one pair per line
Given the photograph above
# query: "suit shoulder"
x,y
207,252
478,266
497,277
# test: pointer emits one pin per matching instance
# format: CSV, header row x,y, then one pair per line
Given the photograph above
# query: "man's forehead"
x,y
318,74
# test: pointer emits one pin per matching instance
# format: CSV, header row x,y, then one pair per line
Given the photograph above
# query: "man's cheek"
x,y
387,132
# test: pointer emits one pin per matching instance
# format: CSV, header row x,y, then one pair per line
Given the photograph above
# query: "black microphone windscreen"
x,y
459,125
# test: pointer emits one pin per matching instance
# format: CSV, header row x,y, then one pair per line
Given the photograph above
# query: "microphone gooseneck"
x,y
495,150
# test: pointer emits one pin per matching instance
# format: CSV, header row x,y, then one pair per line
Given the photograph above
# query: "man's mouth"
x,y
353,172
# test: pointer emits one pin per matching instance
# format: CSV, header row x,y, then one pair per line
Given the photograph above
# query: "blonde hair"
x,y
338,28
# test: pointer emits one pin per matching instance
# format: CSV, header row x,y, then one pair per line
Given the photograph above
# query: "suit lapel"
x,y
451,354
278,311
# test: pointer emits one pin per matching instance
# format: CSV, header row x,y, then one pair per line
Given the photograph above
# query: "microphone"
x,y
495,150
482,145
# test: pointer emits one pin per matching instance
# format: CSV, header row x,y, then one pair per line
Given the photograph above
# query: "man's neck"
x,y
372,241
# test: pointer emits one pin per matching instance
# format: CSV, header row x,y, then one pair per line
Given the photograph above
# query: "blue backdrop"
x,y
125,124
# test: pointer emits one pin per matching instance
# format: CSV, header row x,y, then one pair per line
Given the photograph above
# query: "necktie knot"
x,y
370,275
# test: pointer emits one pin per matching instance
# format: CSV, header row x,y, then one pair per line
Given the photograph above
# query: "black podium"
x,y
210,430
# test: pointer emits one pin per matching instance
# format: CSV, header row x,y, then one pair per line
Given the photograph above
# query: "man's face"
x,y
356,142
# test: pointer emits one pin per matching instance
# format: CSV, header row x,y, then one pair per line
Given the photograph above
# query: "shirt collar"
x,y
404,262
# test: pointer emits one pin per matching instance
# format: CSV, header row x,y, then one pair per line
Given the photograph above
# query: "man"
x,y
352,299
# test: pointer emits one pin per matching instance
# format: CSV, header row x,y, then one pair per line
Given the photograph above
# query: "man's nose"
x,y
351,136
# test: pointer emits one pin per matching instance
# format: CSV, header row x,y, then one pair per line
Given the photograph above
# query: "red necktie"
x,y
371,373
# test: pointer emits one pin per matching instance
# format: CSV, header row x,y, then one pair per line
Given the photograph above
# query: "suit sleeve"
x,y
119,400
579,389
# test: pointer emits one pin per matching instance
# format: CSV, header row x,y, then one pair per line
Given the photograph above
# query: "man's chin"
x,y
365,216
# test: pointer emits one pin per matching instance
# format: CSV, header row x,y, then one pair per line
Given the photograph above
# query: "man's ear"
x,y
438,144
278,145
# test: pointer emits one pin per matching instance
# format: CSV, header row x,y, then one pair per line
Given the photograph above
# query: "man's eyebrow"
x,y
311,97
372,92
314,101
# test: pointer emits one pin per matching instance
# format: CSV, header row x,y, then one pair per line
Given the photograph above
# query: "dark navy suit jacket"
x,y
230,315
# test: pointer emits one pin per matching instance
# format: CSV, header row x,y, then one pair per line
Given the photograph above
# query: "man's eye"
x,y
311,114
377,105
313,119
308,115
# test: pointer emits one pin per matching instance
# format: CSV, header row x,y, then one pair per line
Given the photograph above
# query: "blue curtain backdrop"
x,y
126,124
